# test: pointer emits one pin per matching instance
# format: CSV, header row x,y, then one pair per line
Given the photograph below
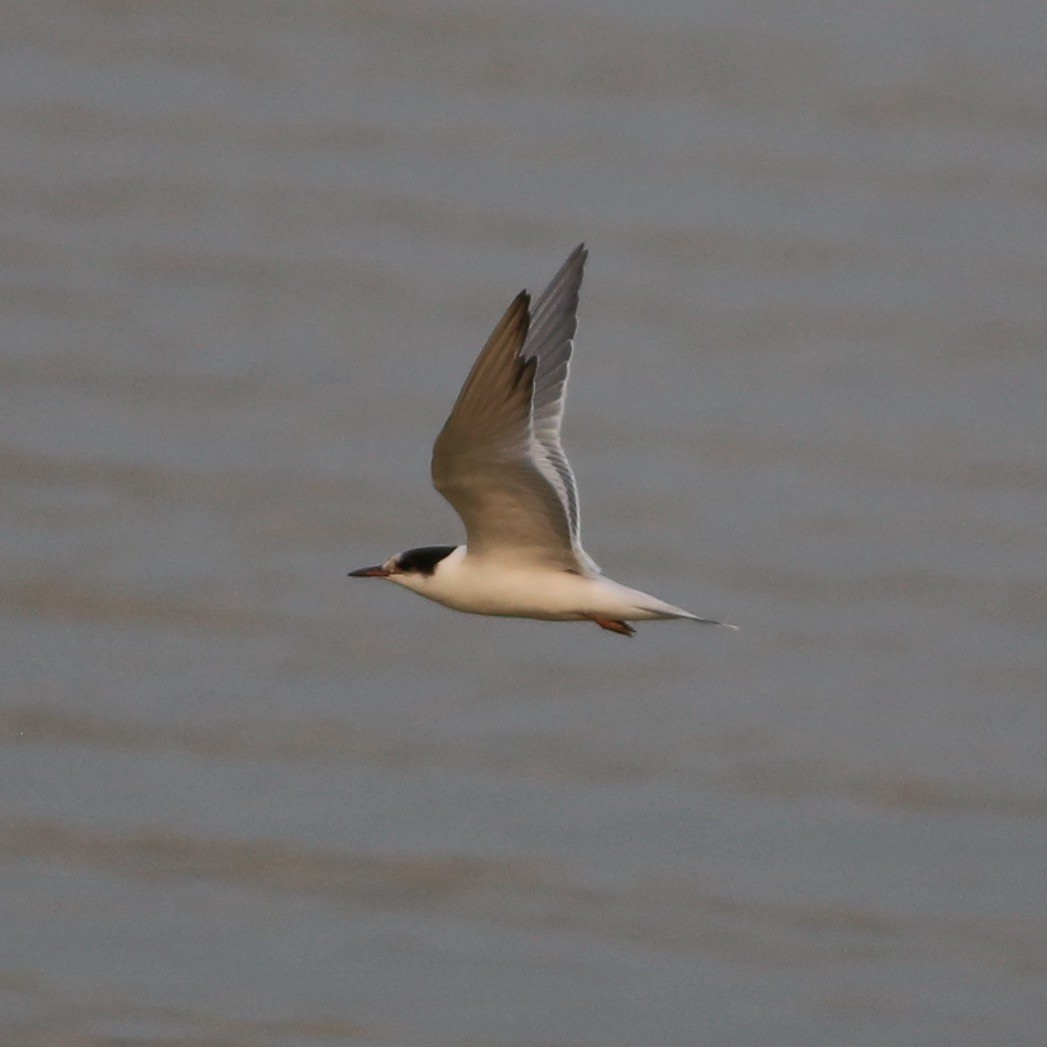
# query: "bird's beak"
x,y
371,572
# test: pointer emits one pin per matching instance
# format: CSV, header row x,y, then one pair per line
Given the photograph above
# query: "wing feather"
x,y
498,459
481,462
551,338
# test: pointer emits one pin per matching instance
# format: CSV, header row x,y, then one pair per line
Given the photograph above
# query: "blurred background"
x,y
249,251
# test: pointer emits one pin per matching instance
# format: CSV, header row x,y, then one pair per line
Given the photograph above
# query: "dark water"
x,y
248,253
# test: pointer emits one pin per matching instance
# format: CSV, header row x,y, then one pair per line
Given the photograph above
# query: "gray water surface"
x,y
249,251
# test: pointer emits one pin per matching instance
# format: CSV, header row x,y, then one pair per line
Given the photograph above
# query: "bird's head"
x,y
411,568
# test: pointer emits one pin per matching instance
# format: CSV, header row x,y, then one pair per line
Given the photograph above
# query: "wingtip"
x,y
518,315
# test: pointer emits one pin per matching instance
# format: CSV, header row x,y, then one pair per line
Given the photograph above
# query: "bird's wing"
x,y
488,462
554,321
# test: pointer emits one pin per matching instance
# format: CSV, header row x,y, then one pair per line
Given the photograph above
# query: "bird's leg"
x,y
612,625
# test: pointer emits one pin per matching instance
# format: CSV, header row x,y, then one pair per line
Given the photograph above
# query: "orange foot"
x,y
612,625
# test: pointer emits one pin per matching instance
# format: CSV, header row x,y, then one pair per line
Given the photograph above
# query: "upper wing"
x,y
513,488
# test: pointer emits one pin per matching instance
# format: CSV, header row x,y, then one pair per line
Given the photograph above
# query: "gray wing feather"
x,y
498,459
481,463
554,321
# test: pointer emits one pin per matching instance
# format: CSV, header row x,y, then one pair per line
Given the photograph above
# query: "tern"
x,y
500,463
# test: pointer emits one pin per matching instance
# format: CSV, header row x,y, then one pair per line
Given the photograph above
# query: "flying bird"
x,y
500,463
